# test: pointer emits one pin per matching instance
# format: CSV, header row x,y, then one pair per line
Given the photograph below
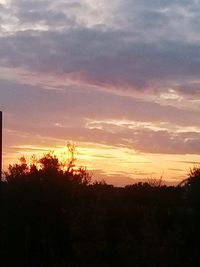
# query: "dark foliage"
x,y
52,217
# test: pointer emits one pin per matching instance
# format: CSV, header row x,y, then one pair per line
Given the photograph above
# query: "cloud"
x,y
192,90
101,117
42,13
149,54
191,162
100,57
36,104
64,63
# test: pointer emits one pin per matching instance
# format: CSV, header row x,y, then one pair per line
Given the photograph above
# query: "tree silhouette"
x,y
16,171
49,163
192,185
54,216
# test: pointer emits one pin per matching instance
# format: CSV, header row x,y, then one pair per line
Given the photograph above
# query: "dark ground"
x,y
49,219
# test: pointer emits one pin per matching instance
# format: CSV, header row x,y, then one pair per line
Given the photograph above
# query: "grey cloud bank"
x,y
142,47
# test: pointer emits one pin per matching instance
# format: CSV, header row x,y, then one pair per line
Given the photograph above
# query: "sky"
x,y
119,78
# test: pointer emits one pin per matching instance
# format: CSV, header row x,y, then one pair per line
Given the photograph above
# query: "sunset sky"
x,y
119,78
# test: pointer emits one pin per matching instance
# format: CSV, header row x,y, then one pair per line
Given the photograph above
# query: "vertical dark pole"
x,y
1,145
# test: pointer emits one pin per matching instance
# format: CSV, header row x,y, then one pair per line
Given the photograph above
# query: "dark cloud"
x,y
191,90
157,3
153,50
50,18
36,12
102,57
147,46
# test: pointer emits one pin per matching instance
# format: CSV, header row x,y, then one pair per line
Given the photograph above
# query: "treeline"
x,y
52,215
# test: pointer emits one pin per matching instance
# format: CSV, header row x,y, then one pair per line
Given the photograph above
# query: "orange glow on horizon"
x,y
117,165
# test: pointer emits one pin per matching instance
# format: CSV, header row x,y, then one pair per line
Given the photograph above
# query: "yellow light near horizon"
x,y
87,154
115,162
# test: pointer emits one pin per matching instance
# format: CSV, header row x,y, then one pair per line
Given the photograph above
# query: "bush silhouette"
x,y
53,215
192,186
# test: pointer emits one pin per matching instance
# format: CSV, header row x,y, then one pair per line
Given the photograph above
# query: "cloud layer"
x,y
142,46
124,74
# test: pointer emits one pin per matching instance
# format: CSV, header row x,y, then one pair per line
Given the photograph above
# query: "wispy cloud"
x,y
123,74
